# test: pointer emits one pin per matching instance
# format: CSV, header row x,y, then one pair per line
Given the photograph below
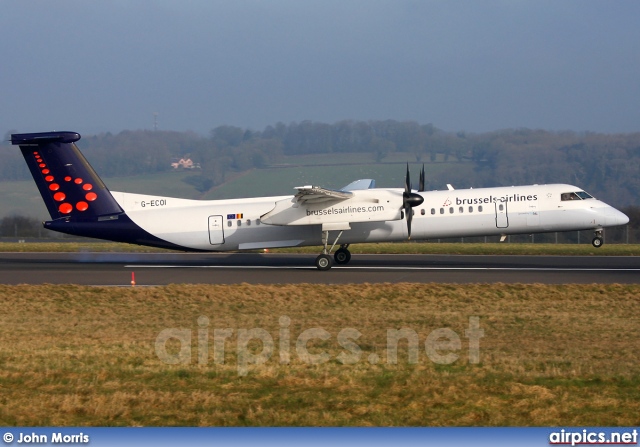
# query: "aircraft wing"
x,y
313,205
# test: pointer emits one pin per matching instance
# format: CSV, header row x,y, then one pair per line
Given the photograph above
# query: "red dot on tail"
x,y
35,153
45,171
87,186
54,187
49,178
91,196
67,179
39,160
59,196
78,180
82,206
65,208
42,165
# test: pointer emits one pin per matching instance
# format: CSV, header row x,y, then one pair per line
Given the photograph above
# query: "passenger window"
x,y
480,208
433,210
461,210
257,221
229,223
422,212
441,210
471,209
451,210
248,222
239,223
501,207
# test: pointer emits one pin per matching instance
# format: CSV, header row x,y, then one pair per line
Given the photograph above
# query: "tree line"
x,y
606,165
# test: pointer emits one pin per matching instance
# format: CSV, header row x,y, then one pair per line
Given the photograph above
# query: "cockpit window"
x,y
584,195
580,195
569,196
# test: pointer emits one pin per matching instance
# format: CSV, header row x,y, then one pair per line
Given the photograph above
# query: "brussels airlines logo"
x,y
345,210
56,186
494,199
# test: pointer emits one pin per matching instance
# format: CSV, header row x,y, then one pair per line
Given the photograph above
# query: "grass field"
x,y
389,248
549,355
281,181
519,249
357,158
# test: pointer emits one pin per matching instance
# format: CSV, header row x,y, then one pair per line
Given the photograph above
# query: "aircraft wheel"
x,y
323,262
342,256
597,242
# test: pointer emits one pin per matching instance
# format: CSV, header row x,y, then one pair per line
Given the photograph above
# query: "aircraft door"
x,y
216,230
502,219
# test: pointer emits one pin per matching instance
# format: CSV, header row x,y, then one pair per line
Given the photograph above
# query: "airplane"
x,y
80,204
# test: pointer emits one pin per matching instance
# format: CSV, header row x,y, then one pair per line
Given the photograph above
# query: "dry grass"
x,y
551,355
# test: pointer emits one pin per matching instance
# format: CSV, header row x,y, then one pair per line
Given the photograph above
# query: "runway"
x,y
115,269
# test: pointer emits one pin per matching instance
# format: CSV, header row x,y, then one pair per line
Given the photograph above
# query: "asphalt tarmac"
x,y
115,269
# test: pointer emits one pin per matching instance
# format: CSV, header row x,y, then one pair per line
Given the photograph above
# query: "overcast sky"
x,y
93,66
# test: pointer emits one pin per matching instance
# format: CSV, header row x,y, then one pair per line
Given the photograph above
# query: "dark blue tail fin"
x,y
70,187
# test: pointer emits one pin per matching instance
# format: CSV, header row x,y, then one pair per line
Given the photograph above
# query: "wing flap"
x,y
317,194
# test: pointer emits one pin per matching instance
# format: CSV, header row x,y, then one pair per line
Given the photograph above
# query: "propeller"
x,y
409,200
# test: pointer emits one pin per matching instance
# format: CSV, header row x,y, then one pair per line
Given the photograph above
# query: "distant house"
x,y
184,163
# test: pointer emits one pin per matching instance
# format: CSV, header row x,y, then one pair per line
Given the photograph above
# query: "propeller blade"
x,y
421,184
409,200
407,182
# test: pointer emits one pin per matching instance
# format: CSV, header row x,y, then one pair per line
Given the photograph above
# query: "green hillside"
x,y
281,181
22,197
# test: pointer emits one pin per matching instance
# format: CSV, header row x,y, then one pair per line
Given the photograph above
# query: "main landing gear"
x,y
598,241
323,262
341,256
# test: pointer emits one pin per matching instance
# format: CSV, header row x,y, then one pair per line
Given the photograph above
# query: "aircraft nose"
x,y
621,218
614,217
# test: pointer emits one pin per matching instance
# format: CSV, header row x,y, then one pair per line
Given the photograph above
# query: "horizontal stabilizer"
x,y
44,138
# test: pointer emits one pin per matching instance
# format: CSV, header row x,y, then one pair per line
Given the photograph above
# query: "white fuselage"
x,y
221,225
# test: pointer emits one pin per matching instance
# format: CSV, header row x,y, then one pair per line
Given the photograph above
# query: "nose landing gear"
x,y
598,240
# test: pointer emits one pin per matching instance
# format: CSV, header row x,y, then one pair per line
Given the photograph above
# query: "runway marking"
x,y
282,267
